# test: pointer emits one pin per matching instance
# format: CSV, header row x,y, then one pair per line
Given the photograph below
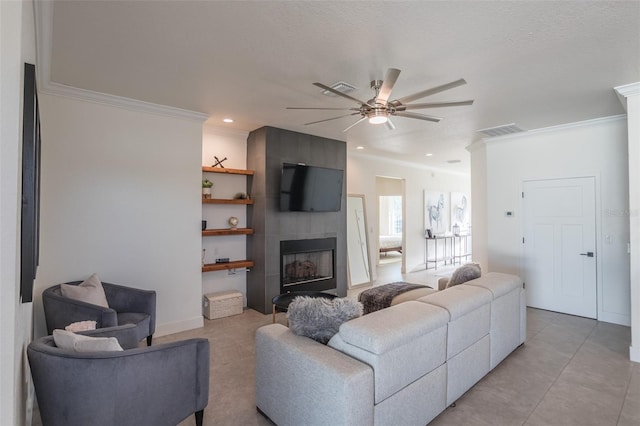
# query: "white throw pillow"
x,y
90,291
81,326
79,343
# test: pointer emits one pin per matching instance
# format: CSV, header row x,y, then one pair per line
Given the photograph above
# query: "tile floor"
x,y
570,371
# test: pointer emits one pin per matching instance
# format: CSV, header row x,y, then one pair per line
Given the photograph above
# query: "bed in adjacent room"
x,y
390,243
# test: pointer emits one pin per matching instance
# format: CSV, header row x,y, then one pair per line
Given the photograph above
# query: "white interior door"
x,y
559,264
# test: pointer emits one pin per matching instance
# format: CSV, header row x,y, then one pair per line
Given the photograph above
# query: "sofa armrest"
x,y
126,334
129,299
301,381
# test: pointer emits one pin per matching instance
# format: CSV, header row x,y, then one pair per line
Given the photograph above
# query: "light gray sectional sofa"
x,y
401,365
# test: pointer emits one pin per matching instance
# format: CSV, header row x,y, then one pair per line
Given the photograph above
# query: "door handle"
x,y
588,254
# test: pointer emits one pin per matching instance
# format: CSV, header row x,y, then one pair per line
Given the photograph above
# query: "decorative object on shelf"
x,y
219,162
206,188
203,253
222,260
241,196
456,229
204,225
233,222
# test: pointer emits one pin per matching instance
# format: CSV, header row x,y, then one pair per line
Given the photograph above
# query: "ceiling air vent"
x,y
341,87
505,129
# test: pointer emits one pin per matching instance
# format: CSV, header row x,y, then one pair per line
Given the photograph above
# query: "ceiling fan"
x,y
379,109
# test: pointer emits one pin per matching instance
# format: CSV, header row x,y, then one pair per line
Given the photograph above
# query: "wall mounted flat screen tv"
x,y
310,189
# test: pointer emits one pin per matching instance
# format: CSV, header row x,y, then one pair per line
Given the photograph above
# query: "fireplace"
x,y
308,264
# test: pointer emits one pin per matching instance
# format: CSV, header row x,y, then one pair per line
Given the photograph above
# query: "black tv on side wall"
x,y
310,189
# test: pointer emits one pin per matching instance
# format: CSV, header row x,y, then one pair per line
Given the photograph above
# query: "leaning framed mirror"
x,y
359,262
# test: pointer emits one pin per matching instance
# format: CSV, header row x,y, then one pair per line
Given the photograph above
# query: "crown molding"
x,y
215,129
560,127
43,11
477,145
626,91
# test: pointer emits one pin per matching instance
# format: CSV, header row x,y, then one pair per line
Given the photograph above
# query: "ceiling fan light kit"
x,y
379,109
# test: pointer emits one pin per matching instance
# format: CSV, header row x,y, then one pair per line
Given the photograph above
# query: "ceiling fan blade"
x,y
357,122
418,116
387,85
433,105
429,92
329,119
327,109
389,124
334,91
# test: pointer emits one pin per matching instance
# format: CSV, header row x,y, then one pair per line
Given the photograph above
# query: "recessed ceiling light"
x,y
228,120
360,147
428,155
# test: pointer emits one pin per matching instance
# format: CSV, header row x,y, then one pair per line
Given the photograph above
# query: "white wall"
x,y
594,148
120,196
362,171
17,42
630,97
232,144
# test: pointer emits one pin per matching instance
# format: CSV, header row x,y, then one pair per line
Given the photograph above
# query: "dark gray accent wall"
x,y
267,149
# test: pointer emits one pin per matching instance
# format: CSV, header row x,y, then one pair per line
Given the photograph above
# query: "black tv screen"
x,y
310,189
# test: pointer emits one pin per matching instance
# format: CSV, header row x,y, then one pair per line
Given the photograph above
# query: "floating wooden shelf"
x,y
236,264
227,201
227,231
227,171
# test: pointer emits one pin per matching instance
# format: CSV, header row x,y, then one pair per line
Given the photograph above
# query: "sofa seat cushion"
x,y
140,320
401,344
497,283
412,295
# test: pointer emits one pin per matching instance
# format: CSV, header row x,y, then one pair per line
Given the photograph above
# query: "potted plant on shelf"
x,y
206,188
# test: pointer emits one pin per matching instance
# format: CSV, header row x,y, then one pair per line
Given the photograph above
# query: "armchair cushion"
x,y
79,343
90,291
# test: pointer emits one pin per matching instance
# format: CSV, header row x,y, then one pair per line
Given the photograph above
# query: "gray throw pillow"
x,y
79,343
90,291
465,273
320,318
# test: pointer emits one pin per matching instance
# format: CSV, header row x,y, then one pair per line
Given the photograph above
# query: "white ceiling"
x,y
533,63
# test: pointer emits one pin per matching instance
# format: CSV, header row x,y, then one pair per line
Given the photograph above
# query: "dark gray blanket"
x,y
380,297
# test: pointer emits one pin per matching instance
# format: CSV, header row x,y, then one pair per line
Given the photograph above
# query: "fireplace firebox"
x,y
307,265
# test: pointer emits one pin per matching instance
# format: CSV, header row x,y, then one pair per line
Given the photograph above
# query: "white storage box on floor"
x,y
222,304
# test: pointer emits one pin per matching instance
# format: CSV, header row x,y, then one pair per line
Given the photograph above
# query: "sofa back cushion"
x,y
469,311
401,343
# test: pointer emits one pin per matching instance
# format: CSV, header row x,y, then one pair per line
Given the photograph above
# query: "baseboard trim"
x,y
634,353
613,318
178,326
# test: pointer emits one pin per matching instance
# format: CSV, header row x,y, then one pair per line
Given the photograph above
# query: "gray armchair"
x,y
126,306
159,385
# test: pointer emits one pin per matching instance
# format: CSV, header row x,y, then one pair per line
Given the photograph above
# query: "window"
x,y
390,215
